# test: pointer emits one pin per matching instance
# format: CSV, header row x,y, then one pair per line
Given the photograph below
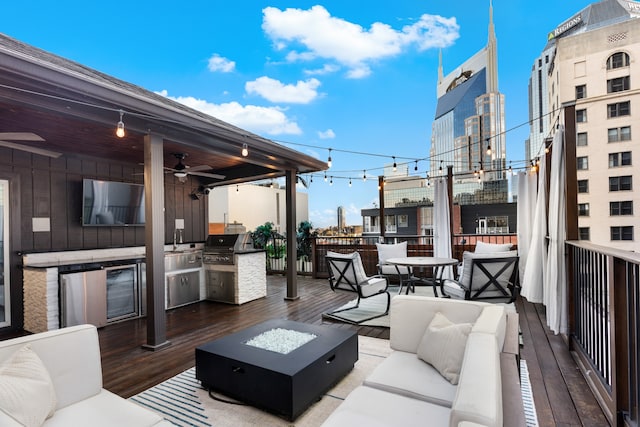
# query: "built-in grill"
x,y
220,248
234,271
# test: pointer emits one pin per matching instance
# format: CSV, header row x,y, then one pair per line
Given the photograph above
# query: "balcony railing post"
x,y
621,290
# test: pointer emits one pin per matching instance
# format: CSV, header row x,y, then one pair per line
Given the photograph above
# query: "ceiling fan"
x,y
180,170
7,137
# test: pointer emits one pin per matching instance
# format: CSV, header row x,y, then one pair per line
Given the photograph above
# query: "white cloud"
x,y
219,63
326,69
323,36
303,92
260,120
327,134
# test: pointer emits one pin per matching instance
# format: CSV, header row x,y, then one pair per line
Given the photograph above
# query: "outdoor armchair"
x,y
397,250
346,273
486,276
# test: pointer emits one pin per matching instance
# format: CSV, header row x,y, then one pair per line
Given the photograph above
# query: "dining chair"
x,y
391,271
486,276
346,273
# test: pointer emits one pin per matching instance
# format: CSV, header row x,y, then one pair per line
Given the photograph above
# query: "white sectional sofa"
x,y
64,382
404,390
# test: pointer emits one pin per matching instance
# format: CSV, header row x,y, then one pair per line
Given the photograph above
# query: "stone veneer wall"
x,y
41,305
251,278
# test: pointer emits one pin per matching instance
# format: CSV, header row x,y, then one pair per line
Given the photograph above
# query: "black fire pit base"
x,y
284,384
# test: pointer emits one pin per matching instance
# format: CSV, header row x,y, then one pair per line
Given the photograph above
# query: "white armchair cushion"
x,y
488,248
396,250
358,268
443,345
467,257
26,390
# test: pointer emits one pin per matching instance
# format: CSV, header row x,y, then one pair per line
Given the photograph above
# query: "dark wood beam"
x,y
154,242
292,274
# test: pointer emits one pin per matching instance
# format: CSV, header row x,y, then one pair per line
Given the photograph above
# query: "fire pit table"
x,y
279,365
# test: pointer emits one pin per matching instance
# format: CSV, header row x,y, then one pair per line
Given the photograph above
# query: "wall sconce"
x,y
120,126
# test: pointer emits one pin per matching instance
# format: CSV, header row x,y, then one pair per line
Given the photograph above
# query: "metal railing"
x,y
604,311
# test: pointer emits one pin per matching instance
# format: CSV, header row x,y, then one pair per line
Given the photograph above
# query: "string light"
x,y
364,176
488,147
237,188
325,177
245,150
416,167
329,159
395,166
440,168
120,126
349,182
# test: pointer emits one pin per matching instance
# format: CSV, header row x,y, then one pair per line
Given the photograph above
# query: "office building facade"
x,y
594,58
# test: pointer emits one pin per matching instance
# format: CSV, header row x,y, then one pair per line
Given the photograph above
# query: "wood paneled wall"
x,y
52,188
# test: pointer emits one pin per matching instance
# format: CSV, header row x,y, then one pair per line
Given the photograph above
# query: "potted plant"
x,y
304,241
265,237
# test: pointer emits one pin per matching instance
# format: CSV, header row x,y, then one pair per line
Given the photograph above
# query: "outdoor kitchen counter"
x,y
41,277
242,281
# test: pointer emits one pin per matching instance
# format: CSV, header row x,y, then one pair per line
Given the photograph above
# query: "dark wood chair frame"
x,y
338,280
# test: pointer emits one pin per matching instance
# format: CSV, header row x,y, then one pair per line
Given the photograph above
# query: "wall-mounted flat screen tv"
x,y
109,203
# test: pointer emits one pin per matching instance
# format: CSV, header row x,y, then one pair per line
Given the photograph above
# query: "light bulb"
x,y
245,150
329,159
120,127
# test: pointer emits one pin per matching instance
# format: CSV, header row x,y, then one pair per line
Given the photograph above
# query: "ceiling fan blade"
x,y
21,136
199,168
34,150
207,175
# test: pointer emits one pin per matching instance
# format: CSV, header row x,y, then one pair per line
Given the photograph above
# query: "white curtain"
x,y
555,279
527,188
533,277
441,231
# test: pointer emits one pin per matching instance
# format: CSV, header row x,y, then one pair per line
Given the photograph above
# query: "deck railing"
x,y
604,311
417,246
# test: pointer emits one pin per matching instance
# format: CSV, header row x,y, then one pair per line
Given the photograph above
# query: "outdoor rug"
x,y
182,401
372,306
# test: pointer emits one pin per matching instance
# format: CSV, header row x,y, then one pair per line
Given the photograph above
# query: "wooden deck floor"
x,y
561,395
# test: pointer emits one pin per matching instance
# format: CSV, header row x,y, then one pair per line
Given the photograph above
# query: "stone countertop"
x,y
56,259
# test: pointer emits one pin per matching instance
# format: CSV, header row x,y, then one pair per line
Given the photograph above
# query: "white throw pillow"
x,y
443,344
26,390
487,248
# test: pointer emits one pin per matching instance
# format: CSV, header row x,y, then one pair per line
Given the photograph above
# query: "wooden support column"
x,y
450,196
383,225
571,169
292,274
154,242
571,188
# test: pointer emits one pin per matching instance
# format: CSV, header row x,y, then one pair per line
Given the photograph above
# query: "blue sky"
x,y
356,77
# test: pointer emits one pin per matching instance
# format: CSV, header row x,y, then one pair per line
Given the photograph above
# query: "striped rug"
x,y
177,400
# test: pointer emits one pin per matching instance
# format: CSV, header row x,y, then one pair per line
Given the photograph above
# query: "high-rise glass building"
x,y
342,218
468,129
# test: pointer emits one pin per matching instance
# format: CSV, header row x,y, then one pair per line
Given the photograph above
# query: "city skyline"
x,y
356,82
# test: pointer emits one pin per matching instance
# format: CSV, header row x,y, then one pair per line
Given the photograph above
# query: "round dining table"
x,y
437,263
